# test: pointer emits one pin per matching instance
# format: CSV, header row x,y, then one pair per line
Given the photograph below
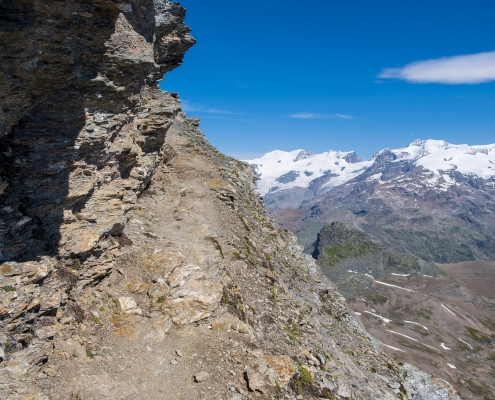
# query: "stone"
x,y
193,297
344,391
162,324
283,366
50,372
228,322
129,306
179,275
201,376
309,356
257,382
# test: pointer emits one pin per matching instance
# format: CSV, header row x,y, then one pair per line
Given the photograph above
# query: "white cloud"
x,y
190,107
465,69
316,116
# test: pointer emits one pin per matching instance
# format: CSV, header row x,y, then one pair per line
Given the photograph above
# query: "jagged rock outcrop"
x,y
138,261
83,125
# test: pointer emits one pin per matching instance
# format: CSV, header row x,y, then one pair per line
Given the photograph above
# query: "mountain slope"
x,y
431,199
281,170
420,313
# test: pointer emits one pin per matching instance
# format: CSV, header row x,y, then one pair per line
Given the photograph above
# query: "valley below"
x,y
436,324
439,317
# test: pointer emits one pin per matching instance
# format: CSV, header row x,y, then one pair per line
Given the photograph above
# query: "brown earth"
x,y
479,276
438,310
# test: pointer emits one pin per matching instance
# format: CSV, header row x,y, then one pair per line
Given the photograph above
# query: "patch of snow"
x,y
357,313
274,164
386,320
395,286
415,323
393,348
431,347
375,177
466,343
401,334
442,345
447,309
409,337
451,366
399,274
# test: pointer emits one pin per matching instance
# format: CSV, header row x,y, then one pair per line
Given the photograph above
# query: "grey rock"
x,y
201,376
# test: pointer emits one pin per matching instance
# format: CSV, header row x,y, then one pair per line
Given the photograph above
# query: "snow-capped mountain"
x,y
279,170
432,198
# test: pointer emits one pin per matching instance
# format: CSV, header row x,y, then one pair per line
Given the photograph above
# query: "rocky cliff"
x,y
137,260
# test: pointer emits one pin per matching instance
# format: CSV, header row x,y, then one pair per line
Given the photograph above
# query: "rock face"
x,y
137,260
83,125
349,258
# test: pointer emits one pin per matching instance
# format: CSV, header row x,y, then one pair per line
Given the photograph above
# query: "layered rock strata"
x,y
83,125
138,261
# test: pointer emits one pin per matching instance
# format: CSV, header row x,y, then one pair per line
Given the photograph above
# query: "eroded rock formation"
x,y
187,291
83,125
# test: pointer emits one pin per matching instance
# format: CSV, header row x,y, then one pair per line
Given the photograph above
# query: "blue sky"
x,y
334,74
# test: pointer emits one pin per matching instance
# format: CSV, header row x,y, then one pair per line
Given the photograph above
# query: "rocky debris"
x,y
192,296
283,367
129,306
257,382
228,322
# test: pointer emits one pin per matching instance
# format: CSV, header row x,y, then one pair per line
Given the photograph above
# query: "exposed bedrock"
x,y
82,123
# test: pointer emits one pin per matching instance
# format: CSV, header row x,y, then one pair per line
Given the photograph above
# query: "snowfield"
x,y
281,170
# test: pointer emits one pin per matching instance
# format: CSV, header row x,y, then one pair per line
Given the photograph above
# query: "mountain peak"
x,y
303,155
280,170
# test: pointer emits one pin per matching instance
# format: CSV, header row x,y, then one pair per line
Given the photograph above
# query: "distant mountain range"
x,y
432,199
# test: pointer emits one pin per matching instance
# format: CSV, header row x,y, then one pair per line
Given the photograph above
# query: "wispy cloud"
x,y
319,116
191,107
465,69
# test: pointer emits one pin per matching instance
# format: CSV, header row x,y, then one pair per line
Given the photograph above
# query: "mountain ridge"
x,y
431,199
437,156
